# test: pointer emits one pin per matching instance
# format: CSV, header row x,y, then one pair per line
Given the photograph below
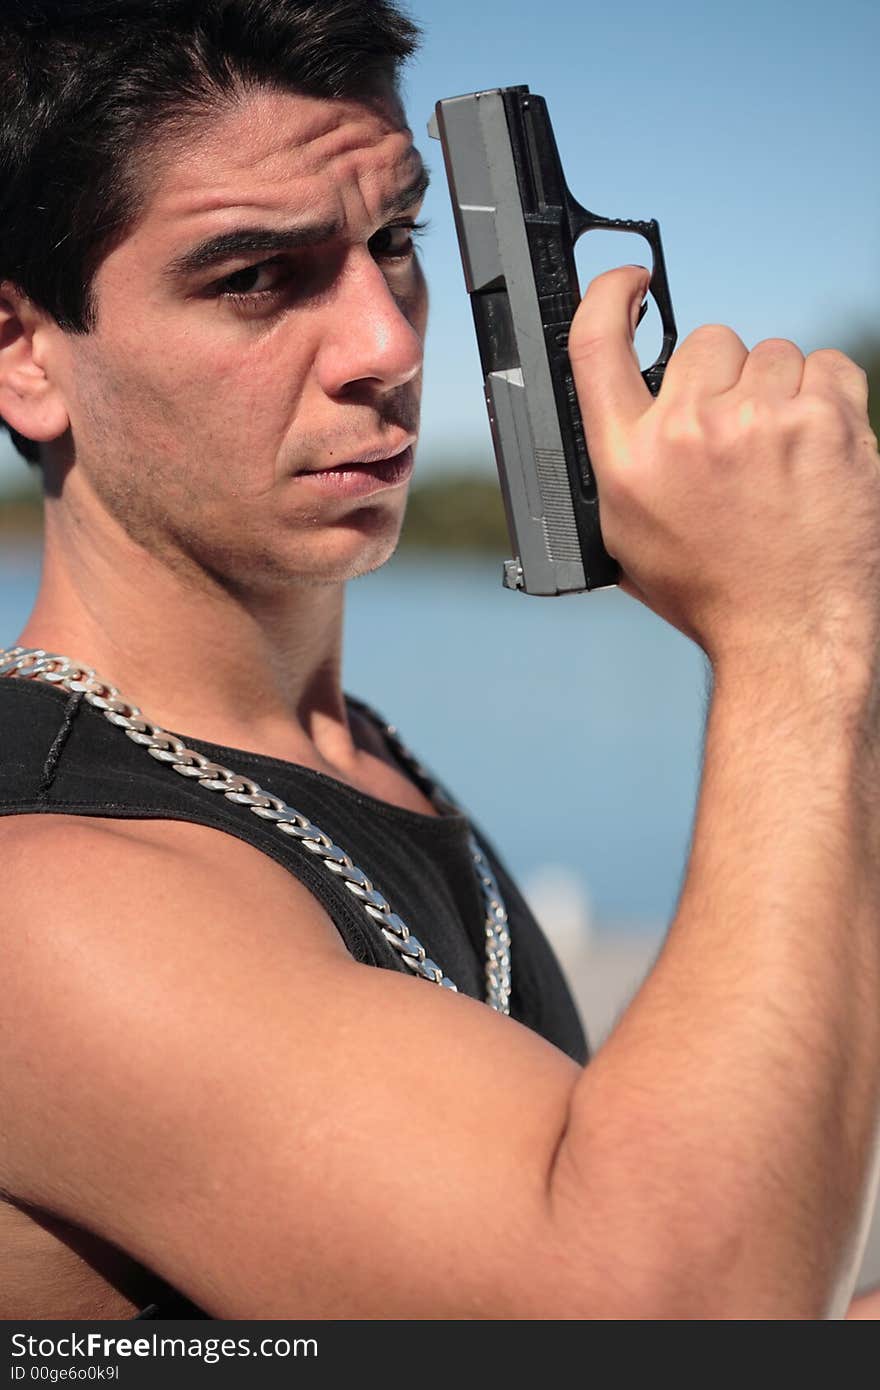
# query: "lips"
x,y
381,453
361,477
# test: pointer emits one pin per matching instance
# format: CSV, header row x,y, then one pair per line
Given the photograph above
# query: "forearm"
x,y
730,1120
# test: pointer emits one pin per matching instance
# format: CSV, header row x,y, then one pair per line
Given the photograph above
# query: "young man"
x,y
219,1074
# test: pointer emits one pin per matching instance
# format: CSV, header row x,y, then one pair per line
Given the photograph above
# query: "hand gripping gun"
x,y
517,225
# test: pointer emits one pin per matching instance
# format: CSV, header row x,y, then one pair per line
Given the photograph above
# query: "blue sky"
x,y
749,131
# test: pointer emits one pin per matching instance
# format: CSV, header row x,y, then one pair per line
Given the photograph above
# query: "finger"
x,y
773,370
829,372
611,391
708,362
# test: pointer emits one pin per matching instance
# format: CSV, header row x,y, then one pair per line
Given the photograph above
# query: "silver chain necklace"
x,y
33,663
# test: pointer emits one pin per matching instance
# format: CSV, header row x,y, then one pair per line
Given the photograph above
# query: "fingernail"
x,y
639,308
637,313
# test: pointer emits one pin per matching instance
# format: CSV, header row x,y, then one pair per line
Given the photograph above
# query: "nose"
x,y
372,334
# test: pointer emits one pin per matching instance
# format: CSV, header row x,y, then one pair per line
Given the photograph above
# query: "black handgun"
x,y
517,225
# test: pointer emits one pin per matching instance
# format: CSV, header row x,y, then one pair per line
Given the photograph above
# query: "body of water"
x,y
570,728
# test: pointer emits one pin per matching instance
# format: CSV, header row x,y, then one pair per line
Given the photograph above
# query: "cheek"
x,y
191,400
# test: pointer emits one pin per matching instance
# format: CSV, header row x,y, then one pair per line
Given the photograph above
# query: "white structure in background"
x,y
560,900
604,968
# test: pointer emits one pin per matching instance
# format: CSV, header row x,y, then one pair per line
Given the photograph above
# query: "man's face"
x,y
237,358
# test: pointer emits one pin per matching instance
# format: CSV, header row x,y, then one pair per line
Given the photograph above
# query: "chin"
x,y
354,548
266,561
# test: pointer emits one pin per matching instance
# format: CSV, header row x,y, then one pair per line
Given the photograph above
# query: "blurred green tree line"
x,y
456,506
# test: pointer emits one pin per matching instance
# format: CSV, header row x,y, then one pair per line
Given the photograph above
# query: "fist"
x,y
743,504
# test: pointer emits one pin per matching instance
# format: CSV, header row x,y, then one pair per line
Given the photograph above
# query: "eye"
x,y
397,243
254,281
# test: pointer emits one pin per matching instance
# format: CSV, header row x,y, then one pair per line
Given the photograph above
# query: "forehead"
x,y
269,151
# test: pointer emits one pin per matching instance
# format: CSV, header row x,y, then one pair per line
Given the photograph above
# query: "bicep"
x,y
214,1085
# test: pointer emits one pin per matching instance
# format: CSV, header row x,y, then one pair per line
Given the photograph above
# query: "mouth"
x,y
374,470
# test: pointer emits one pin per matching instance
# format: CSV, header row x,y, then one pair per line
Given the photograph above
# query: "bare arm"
x,y
282,1132
736,1101
744,507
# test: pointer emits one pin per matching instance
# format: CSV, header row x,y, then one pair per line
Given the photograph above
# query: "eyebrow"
x,y
255,240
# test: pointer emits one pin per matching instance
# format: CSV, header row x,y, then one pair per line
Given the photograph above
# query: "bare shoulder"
x,y
72,860
62,837
202,1075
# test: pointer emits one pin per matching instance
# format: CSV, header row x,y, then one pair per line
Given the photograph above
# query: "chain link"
x,y
496,927
32,663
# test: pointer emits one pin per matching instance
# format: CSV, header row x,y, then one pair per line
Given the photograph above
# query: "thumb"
x,y
611,391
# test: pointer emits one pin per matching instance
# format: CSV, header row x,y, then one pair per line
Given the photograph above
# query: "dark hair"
x,y
85,85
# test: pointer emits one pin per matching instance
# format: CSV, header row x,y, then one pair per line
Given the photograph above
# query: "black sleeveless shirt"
x,y
58,754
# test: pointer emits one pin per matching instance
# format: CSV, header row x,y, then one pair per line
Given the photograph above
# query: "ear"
x,y
30,401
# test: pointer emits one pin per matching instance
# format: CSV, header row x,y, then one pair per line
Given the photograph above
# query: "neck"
x,y
256,671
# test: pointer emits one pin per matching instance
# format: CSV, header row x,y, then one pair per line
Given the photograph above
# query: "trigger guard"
x,y
581,220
